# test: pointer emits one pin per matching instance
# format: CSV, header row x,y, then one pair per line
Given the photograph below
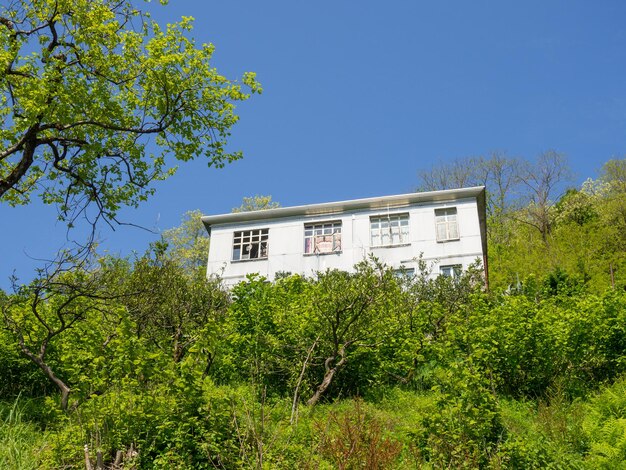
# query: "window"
x,y
389,230
446,224
322,238
452,270
250,244
404,273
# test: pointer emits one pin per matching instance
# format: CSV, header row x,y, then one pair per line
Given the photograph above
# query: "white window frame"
x,y
404,273
389,230
451,270
446,224
322,237
249,245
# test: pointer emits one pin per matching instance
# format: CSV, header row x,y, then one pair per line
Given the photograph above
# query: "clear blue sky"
x,y
358,96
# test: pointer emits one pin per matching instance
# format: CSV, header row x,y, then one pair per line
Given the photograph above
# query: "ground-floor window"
x,y
451,270
404,273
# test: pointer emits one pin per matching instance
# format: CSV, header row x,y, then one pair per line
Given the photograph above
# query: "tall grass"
x,y
21,442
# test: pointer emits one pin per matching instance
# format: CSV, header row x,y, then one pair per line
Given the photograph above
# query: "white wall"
x,y
286,243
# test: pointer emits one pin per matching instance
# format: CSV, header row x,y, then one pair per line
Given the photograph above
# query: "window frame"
x,y
447,218
455,270
404,272
404,236
256,239
313,239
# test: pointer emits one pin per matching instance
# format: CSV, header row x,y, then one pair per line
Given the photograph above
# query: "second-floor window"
x,y
389,230
250,244
322,237
446,224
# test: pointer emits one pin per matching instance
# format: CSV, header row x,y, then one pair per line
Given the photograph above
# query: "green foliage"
x,y
267,333
465,430
188,244
353,314
170,424
19,375
544,435
298,334
586,239
39,314
21,442
613,173
511,337
605,426
85,85
168,370
256,203
173,305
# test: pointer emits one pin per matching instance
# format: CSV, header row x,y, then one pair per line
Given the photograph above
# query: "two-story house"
x,y
447,228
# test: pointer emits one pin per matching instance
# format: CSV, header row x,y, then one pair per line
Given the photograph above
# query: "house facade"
x,y
446,228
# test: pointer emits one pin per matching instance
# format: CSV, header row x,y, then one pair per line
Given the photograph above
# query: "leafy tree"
x,y
268,331
19,374
96,101
575,207
188,244
349,310
613,173
39,314
171,306
256,203
426,304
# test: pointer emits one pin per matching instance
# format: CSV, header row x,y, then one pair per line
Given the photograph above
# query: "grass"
x,y
21,442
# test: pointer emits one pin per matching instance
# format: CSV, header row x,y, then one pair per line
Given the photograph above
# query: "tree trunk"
x,y
65,390
296,392
87,461
328,376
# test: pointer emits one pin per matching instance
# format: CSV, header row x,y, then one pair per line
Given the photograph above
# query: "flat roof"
x,y
329,208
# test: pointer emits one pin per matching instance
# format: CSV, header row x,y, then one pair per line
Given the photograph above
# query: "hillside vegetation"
x,y
143,363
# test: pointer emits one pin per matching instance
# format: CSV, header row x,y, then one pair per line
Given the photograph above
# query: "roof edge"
x,y
398,200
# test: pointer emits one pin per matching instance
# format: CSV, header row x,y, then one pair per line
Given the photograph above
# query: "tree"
x,y
39,314
458,173
607,196
188,244
613,173
171,304
97,100
502,176
256,203
497,171
542,180
349,310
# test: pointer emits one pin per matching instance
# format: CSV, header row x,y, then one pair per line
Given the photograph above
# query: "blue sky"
x,y
359,96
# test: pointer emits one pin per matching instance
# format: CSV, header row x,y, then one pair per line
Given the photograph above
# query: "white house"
x,y
448,228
